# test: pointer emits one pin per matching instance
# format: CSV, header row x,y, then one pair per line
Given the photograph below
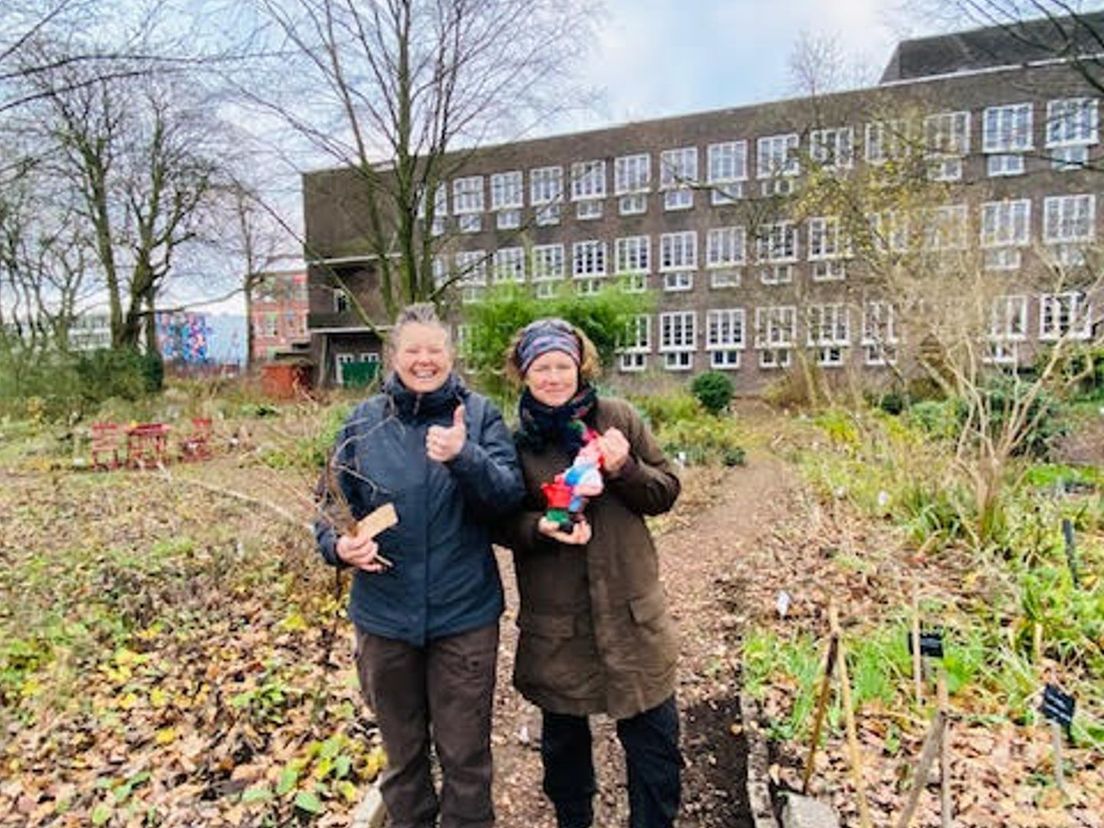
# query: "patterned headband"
x,y
544,335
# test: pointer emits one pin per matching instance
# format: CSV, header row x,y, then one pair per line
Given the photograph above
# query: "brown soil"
x,y
702,550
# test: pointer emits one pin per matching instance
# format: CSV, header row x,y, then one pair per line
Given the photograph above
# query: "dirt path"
x,y
700,550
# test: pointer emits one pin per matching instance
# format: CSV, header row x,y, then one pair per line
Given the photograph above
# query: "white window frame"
x,y
509,265
726,247
886,141
634,357
776,156
633,255
678,171
588,180
588,259
471,265
1005,227
834,148
678,337
1059,227
946,143
1067,314
726,337
546,194
507,198
776,248
945,227
468,195
632,174
678,251
1008,318
726,172
879,332
548,263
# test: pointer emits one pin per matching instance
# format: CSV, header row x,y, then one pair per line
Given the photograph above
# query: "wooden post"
x,y
849,718
822,702
1059,771
945,806
923,768
917,659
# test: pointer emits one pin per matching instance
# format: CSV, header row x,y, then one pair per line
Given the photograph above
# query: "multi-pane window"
x,y
1007,327
725,247
678,171
507,193
776,247
440,271
775,161
1006,135
1071,128
633,350
546,193
945,227
678,339
588,188
634,254
589,259
509,264
632,178
1069,218
725,337
775,334
467,202
440,210
826,248
833,148
829,332
727,171
1005,226
1064,315
946,141
548,267
471,266
678,258
879,333
886,140
889,231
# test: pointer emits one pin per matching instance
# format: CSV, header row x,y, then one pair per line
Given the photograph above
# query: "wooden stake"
x,y
822,704
1059,771
923,768
917,659
849,718
945,806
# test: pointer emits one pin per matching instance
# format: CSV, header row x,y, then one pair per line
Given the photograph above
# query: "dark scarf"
x,y
562,425
409,405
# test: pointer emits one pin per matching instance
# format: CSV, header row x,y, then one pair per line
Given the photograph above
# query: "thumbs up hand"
x,y
443,444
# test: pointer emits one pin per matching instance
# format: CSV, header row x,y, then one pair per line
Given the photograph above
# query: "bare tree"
x,y
403,91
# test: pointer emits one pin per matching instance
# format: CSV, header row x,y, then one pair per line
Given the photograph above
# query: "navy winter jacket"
x,y
444,579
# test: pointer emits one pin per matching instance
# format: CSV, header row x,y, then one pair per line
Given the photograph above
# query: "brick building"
x,y
278,315
699,209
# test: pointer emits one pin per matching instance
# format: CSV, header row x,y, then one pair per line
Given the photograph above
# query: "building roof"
x,y
1008,44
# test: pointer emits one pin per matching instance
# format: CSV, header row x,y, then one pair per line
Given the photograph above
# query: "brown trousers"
x,y
447,688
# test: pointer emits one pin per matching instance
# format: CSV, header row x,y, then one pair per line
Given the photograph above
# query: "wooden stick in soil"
x,y
917,659
923,768
849,718
945,806
822,705
1059,771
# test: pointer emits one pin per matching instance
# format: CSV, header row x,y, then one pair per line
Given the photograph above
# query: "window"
x,y
589,209
946,141
341,300
1071,128
832,148
826,249
1006,135
632,178
633,352
440,210
440,271
890,231
590,259
724,337
509,264
1007,326
340,361
1004,227
546,193
776,247
725,247
271,325
879,333
776,159
506,199
1064,315
886,140
678,169
1069,218
829,332
727,171
588,180
472,267
467,202
775,333
634,254
677,338
678,258
548,262
945,227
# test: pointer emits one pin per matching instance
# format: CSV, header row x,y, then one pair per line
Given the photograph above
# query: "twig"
x,y
923,768
849,716
917,659
822,703
945,806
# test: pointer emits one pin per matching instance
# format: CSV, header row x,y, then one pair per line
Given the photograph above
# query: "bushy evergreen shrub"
x,y
713,390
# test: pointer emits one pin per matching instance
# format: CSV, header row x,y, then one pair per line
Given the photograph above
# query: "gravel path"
x,y
701,545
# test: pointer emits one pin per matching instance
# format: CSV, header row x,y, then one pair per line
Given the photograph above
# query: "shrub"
x,y
713,390
703,440
119,372
663,409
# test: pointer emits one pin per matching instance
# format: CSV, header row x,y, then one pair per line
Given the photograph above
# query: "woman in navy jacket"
x,y
426,593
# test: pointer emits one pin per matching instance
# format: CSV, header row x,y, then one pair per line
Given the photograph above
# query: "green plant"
x,y
704,439
661,410
713,390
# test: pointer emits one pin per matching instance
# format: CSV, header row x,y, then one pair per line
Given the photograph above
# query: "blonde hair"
x,y
590,366
419,313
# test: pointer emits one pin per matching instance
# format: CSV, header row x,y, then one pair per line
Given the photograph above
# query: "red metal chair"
x,y
197,445
107,445
146,444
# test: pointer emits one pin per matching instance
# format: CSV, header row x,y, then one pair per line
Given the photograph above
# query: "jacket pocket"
x,y
648,608
547,626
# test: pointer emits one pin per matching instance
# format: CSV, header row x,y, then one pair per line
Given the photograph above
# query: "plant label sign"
x,y
1058,707
931,643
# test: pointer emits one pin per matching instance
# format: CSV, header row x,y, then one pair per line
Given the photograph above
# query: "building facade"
x,y
278,314
715,214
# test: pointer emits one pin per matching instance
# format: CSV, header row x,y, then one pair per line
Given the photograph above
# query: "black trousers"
x,y
446,689
650,740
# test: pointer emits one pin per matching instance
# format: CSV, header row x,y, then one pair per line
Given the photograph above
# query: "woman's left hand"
x,y
443,444
615,450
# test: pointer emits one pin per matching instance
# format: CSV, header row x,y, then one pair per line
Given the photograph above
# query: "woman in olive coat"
x,y
595,635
